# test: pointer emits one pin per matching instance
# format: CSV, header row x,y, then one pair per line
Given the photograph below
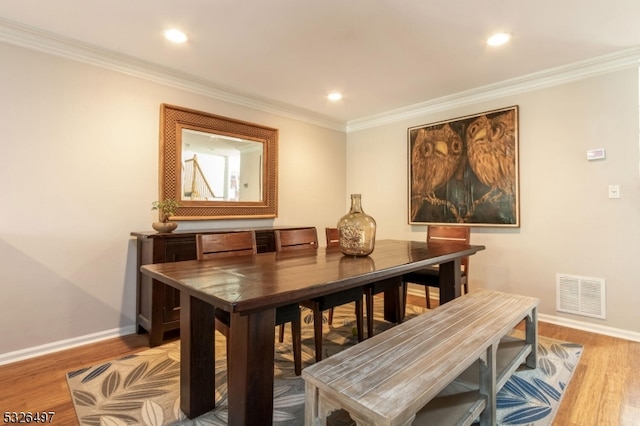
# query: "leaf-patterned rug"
x,y
143,389
533,396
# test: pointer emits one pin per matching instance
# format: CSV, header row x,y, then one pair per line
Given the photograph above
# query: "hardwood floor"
x,y
605,389
40,384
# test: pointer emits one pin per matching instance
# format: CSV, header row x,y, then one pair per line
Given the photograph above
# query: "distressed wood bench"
x,y
395,378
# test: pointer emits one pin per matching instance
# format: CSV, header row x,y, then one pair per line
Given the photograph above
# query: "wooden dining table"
x,y
250,288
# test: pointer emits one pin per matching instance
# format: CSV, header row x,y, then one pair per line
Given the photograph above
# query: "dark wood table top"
x,y
269,280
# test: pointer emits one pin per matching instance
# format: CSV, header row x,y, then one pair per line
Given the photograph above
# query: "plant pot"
x,y
164,227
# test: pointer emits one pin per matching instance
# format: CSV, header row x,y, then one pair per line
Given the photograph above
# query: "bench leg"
x,y
410,421
311,413
367,422
531,337
359,421
488,385
317,406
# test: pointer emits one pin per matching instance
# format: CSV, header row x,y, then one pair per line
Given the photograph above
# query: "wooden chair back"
x,y
228,244
333,237
296,239
442,234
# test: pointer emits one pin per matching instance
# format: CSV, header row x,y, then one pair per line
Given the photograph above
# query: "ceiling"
x,y
381,54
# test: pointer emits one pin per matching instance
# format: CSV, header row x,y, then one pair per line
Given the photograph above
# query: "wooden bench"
x,y
394,378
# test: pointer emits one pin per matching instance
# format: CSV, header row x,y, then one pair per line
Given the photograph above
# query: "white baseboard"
x,y
565,322
28,353
61,345
592,328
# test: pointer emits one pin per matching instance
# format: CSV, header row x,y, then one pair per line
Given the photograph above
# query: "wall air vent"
x,y
580,295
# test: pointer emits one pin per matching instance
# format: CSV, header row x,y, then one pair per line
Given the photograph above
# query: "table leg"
x,y
449,280
250,379
393,300
197,356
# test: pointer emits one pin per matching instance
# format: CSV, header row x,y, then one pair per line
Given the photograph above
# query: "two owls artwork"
x,y
465,170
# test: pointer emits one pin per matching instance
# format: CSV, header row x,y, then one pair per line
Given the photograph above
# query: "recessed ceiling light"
x,y
498,39
335,96
175,36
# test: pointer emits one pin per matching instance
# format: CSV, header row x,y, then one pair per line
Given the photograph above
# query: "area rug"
x,y
143,389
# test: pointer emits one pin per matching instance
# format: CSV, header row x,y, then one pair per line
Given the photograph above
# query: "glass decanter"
x,y
357,230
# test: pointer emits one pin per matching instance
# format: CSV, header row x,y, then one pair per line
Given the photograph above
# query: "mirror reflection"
x,y
216,167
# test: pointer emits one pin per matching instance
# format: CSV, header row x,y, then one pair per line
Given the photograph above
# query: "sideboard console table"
x,y
158,305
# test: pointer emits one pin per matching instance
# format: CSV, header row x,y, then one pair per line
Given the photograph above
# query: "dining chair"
x,y
369,290
333,237
429,277
243,243
307,238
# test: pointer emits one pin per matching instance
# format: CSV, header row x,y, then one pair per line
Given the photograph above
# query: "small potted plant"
x,y
166,209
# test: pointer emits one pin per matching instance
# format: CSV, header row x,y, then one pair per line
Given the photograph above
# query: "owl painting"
x,y
435,156
491,151
465,170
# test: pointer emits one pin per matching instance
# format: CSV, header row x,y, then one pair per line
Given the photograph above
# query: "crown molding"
x,y
43,41
552,77
53,44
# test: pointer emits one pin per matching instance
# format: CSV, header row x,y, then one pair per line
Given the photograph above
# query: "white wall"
x,y
79,148
568,223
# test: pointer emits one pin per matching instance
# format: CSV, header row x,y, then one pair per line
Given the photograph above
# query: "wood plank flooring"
x,y
40,384
605,389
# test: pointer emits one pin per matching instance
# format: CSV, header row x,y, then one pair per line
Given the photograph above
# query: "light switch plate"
x,y
614,191
596,154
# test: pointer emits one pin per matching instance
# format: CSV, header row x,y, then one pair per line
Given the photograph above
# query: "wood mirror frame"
x,y
172,120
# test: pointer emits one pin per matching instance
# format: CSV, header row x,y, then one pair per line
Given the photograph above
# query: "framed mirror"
x,y
217,167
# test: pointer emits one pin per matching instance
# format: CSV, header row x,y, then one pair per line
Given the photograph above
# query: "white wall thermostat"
x,y
595,154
